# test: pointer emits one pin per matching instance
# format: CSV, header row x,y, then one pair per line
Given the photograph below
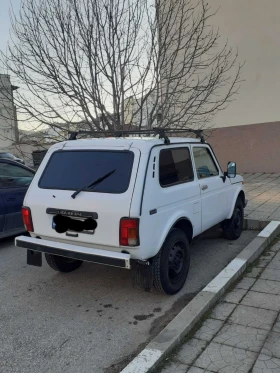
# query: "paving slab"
x,y
276,327
263,193
259,216
190,351
272,345
198,370
267,286
262,300
275,247
266,364
209,328
275,262
246,283
235,296
271,274
224,359
240,336
262,263
254,273
222,311
253,317
175,367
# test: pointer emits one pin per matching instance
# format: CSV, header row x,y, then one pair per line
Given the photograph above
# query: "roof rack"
x,y
154,131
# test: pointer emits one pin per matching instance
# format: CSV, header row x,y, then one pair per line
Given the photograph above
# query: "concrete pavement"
x,y
242,333
90,320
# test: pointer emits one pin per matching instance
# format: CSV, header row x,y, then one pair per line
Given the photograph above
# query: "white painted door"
x,y
171,193
214,200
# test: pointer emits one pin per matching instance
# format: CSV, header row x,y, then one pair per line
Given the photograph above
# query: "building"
x,y
8,116
253,27
135,117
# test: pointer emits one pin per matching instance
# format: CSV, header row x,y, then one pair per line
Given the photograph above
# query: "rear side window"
x,y
204,163
13,176
72,170
175,166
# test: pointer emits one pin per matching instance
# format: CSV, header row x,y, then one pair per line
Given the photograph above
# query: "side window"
x,y
204,163
175,166
14,176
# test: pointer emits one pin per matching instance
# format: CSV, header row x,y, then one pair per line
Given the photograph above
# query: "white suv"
x,y
131,203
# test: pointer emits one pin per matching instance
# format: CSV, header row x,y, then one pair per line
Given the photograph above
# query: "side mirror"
x,y
231,169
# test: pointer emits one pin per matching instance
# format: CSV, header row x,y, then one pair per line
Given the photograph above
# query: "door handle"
x,y
204,187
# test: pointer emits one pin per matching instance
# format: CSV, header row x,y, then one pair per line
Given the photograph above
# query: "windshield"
x,y
72,170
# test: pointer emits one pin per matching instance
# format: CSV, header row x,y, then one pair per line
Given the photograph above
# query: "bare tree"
x,y
114,64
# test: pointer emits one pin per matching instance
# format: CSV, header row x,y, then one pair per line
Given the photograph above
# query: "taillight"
x,y
129,232
27,219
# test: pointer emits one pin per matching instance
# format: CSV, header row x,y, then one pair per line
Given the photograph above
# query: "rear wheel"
x,y
61,264
234,226
171,264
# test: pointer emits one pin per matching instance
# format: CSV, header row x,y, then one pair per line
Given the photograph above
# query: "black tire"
x,y
61,264
234,226
171,264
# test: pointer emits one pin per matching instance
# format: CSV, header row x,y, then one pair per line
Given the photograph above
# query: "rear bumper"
x,y
86,254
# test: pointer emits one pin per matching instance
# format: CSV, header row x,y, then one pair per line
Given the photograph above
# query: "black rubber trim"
x,y
115,262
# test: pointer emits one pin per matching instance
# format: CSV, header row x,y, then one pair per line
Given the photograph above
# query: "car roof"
x,y
142,143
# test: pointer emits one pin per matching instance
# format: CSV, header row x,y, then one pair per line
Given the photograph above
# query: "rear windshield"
x,y
72,170
6,155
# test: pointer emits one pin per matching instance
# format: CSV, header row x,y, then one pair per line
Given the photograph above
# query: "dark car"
x,y
14,182
11,157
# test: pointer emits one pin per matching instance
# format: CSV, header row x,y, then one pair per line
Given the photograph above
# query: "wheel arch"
x,y
185,225
239,194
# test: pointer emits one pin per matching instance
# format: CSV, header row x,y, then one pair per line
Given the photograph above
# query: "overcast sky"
x,y
5,20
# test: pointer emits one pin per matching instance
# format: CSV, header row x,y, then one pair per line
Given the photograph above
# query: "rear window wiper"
x,y
93,183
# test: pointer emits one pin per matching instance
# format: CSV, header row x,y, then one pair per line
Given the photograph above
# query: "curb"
x,y
255,224
184,322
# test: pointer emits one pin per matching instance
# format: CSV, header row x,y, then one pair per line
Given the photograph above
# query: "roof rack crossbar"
x,y
162,132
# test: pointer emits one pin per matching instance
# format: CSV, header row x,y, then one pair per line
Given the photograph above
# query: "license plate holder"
x,y
73,220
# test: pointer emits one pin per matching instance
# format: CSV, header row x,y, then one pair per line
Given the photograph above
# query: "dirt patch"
x,y
157,325
143,317
121,364
158,309
160,322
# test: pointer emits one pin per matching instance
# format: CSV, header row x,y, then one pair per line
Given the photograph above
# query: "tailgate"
x,y
108,202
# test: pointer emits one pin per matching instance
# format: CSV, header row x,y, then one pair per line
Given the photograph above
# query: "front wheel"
x,y
234,226
61,264
171,264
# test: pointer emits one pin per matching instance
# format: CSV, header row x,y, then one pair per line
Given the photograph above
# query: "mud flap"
x,y
142,277
34,258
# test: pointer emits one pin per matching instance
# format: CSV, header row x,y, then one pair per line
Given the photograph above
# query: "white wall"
x,y
253,26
